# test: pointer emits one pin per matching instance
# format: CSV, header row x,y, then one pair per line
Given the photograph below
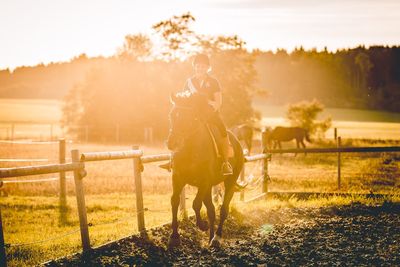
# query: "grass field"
x,y
30,210
351,123
39,119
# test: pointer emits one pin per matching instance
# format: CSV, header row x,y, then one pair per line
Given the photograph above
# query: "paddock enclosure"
x,y
263,174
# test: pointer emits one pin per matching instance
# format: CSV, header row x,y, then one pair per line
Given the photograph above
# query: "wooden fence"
x,y
339,150
77,166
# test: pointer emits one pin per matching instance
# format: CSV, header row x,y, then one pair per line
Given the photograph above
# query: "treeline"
x,y
50,81
357,78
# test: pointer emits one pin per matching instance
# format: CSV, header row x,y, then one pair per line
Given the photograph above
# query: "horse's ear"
x,y
172,98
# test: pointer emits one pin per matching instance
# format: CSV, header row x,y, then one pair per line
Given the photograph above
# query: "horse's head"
x,y
185,117
266,138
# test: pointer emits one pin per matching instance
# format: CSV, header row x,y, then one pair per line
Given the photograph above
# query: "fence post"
x,y
80,199
63,188
3,257
264,165
117,133
242,178
86,133
335,133
265,175
151,135
339,140
137,172
12,132
145,134
182,203
51,132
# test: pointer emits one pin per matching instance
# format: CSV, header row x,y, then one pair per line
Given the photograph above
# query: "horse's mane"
x,y
196,101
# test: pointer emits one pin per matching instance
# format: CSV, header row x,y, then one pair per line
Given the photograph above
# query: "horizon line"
x,y
288,50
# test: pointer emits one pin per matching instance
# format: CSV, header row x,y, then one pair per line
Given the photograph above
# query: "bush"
x,y
304,114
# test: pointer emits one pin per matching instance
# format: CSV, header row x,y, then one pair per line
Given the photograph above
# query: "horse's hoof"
x,y
203,225
174,242
216,242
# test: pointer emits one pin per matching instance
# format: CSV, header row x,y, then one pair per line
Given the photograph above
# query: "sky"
x,y
44,31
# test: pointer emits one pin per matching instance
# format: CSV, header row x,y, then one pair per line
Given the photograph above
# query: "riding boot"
x,y
226,166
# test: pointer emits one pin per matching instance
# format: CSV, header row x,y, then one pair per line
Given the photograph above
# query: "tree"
x,y
364,66
234,67
304,114
177,36
134,93
136,47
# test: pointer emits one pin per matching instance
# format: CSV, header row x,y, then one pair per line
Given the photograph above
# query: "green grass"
x,y
31,219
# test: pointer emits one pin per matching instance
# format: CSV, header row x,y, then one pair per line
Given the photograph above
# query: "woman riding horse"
x,y
205,85
194,158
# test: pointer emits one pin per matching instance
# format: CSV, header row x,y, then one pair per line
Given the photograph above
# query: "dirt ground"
x,y
335,236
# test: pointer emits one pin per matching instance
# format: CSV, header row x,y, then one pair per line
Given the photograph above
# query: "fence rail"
x,y
98,156
51,179
40,169
338,150
156,158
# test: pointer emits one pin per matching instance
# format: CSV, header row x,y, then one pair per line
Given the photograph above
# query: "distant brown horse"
x,y
244,133
284,134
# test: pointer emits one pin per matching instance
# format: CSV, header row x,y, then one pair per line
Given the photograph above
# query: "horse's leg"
x,y
175,199
303,145
278,144
197,202
297,145
210,212
229,191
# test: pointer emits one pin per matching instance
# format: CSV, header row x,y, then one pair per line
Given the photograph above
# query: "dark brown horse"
x,y
195,162
284,134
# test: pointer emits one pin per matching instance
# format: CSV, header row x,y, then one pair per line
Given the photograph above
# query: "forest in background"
x,y
352,78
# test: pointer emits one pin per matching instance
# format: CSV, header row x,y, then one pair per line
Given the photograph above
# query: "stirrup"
x,y
167,166
226,168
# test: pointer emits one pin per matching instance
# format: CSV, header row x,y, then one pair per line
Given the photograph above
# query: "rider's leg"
x,y
217,121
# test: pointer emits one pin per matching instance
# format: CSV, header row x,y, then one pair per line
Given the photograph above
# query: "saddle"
x,y
216,139
217,144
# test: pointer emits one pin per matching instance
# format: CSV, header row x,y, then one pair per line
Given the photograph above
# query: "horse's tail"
x,y
307,135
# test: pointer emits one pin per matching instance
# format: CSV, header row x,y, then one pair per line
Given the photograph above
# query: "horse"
x,y
244,133
195,162
284,134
